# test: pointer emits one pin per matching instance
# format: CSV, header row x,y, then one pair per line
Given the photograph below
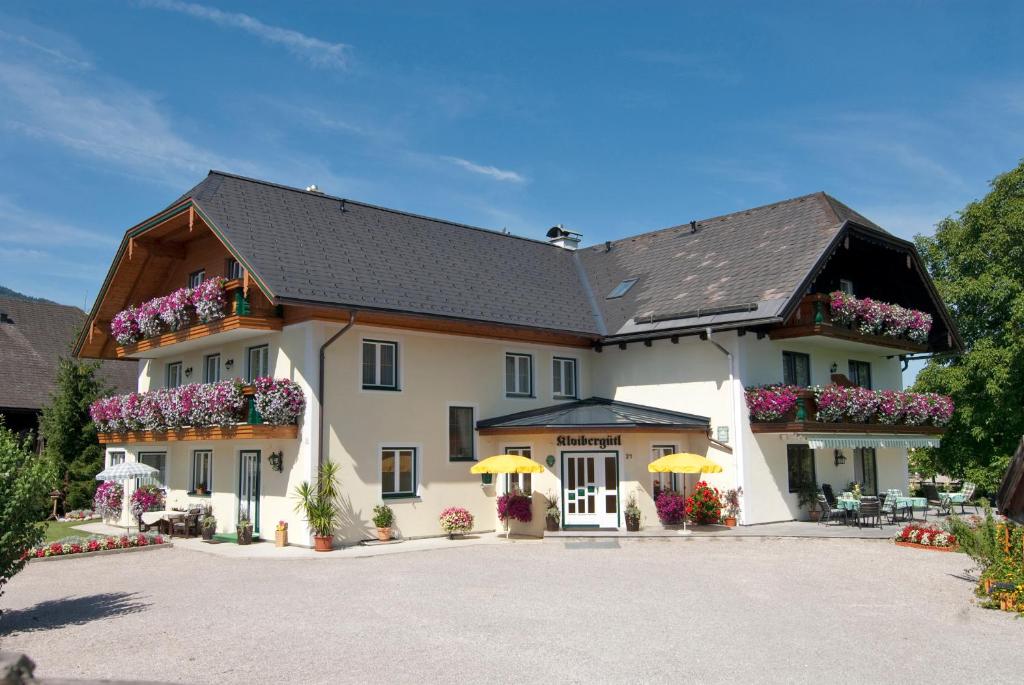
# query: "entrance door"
x,y
249,487
865,469
590,489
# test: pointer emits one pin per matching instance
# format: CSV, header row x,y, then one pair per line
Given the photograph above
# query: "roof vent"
x,y
557,235
314,189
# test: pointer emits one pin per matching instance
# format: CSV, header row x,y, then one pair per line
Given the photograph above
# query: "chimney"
x,y
558,236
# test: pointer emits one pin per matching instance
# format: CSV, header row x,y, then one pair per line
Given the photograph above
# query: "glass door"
x,y
865,470
249,487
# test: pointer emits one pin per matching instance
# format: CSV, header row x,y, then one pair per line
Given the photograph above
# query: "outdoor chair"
x,y
870,510
188,524
828,513
826,490
939,501
968,493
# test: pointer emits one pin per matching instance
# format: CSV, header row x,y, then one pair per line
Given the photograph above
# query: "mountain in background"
x,y
7,292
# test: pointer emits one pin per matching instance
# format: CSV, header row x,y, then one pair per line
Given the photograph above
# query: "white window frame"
x,y
193,481
517,392
115,457
416,469
518,479
207,359
230,266
661,449
476,444
167,374
248,361
574,364
846,286
378,343
196,277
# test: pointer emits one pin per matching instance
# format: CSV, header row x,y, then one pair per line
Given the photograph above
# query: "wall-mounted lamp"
x,y
276,460
188,372
229,363
834,368
840,458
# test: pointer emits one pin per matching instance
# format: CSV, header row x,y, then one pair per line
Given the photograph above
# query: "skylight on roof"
x,y
622,288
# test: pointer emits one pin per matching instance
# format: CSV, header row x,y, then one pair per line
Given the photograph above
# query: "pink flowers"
x,y
196,404
146,498
207,302
514,505
279,401
671,507
107,500
879,318
771,403
859,405
75,545
456,520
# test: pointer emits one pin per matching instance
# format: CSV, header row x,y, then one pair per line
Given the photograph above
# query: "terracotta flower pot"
x,y
729,521
383,534
280,538
322,543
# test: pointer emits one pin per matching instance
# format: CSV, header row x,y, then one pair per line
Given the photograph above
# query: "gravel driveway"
x,y
714,610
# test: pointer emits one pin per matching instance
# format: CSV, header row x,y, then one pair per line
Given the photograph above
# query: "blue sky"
x,y
608,119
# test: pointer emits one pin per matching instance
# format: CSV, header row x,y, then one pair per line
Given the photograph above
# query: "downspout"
x,y
737,427
320,386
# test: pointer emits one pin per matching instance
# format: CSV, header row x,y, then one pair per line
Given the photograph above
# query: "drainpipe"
x,y
320,387
737,427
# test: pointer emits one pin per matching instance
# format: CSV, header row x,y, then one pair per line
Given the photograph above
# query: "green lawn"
x,y
56,530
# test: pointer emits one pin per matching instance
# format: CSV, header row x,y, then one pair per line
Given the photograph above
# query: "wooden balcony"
x,y
801,420
246,313
813,316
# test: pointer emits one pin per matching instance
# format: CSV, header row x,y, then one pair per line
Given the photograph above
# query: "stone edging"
x,y
103,552
933,548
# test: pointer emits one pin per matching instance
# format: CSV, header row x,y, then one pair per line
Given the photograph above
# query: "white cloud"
x,y
319,53
27,227
489,171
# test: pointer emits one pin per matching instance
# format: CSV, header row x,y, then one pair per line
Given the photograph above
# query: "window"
x,y
664,482
518,375
211,368
865,470
157,460
563,378
796,369
173,375
233,269
398,471
522,481
460,434
800,460
196,277
115,458
622,288
846,286
202,471
860,373
259,362
380,365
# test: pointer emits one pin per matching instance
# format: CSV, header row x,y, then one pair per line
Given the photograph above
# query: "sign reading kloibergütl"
x,y
587,441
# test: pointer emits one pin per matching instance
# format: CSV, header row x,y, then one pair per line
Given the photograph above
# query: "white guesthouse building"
x,y
424,345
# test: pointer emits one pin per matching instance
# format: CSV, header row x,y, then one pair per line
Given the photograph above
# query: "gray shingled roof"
x,y
596,412
31,341
745,267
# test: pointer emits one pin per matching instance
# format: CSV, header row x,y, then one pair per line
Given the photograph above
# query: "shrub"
x,y
981,542
108,499
671,507
278,400
24,479
514,505
456,520
771,403
704,505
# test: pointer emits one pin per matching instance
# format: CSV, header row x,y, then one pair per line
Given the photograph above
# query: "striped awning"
x,y
817,442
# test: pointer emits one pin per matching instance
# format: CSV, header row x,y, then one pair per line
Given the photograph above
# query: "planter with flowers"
x,y
279,401
205,303
704,505
731,505
107,501
552,515
456,521
671,507
514,506
772,402
872,317
633,514
383,519
932,539
281,534
243,531
146,498
208,526
97,543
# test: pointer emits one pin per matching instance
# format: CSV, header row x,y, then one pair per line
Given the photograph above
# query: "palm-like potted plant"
x,y
243,531
731,505
383,518
807,497
208,526
633,514
318,504
552,515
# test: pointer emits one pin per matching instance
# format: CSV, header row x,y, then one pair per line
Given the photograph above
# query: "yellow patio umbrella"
x,y
507,463
683,462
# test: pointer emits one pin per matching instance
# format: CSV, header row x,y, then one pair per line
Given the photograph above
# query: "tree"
x,y
23,480
977,263
71,444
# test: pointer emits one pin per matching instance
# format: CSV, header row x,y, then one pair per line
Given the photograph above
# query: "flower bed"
x,y
880,318
77,545
933,538
205,303
859,405
456,521
771,402
80,515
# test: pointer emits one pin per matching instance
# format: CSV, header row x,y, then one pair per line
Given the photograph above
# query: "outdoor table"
x,y
152,517
851,504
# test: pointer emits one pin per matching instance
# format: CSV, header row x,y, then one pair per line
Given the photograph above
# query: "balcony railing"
x,y
227,410
837,409
241,310
881,324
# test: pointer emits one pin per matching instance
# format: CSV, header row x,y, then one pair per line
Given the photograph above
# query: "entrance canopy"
x,y
817,442
596,413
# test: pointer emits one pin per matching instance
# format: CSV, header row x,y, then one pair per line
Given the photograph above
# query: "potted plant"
x,y
318,504
243,532
200,488
633,514
456,521
383,518
731,505
208,526
704,505
514,506
281,534
807,497
553,515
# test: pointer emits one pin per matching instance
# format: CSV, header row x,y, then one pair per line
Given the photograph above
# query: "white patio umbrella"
x,y
127,470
